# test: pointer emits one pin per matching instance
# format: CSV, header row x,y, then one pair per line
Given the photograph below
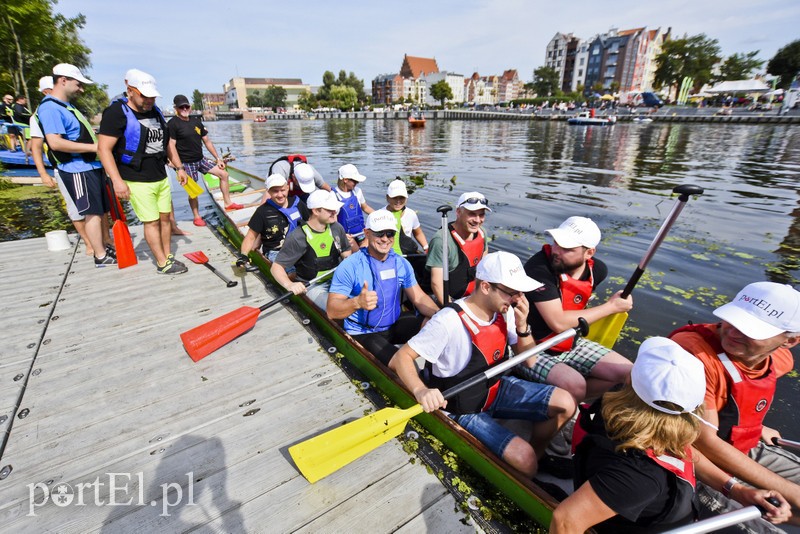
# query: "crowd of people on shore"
x,y
654,444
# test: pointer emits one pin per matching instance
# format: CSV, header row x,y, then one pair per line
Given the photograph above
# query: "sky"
x,y
201,44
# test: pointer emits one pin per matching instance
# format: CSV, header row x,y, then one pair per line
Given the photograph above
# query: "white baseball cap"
x,y
664,372
763,310
350,171
304,173
70,71
397,188
505,268
275,180
473,201
45,83
380,220
323,199
143,82
576,232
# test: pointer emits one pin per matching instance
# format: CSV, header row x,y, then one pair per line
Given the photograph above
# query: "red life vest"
x,y
462,278
294,187
683,469
574,296
741,420
489,347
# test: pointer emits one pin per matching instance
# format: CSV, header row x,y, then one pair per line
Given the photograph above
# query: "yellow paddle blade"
x,y
192,188
607,330
322,455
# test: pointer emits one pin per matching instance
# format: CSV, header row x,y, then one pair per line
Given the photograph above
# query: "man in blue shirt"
x,y
73,146
366,291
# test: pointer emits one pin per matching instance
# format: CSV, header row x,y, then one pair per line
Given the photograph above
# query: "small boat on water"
x,y
416,121
588,118
260,118
642,120
530,497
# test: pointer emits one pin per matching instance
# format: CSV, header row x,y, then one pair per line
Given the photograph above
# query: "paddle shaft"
x,y
580,330
721,521
229,283
786,443
684,191
444,210
316,281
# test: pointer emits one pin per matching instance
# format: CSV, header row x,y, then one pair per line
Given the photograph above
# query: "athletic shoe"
x,y
199,222
111,251
171,258
233,206
106,260
171,268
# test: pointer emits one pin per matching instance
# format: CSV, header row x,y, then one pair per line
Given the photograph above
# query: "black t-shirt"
x,y
21,114
188,137
539,268
155,157
271,225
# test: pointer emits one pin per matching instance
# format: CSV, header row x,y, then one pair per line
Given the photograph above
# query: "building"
x,y
509,86
455,81
481,89
560,55
387,88
238,89
410,83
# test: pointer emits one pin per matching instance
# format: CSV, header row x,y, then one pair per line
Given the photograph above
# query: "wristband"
x,y
526,333
728,486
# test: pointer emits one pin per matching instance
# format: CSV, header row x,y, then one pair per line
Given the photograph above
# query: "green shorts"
x,y
583,357
149,199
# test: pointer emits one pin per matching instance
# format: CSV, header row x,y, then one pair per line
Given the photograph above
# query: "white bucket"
x,y
57,240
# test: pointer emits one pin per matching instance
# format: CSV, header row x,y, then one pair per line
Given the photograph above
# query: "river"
x,y
744,228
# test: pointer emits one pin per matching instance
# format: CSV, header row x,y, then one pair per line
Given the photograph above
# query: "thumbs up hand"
x,y
367,300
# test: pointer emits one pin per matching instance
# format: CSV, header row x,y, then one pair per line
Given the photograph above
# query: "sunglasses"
x,y
475,200
185,106
385,233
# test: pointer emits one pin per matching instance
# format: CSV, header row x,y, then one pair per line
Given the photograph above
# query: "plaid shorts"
x,y
583,357
197,169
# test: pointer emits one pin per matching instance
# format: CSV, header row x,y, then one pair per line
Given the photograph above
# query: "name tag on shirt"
x,y
388,274
295,215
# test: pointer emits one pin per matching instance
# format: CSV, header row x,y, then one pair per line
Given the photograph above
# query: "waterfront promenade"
x,y
103,405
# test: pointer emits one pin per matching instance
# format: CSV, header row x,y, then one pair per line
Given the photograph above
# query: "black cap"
x,y
180,100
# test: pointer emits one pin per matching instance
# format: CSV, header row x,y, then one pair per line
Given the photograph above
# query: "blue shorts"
x,y
516,399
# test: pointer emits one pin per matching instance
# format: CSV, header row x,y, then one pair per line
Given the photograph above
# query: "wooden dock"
x,y
108,425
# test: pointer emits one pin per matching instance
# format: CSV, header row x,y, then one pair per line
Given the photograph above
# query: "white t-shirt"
x,y
445,342
356,190
35,130
409,220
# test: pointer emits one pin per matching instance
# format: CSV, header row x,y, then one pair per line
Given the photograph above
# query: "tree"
x,y
786,63
274,97
197,100
545,81
689,56
739,66
441,91
307,101
254,100
344,80
343,97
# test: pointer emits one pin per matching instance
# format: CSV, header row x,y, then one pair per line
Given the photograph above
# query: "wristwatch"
x,y
728,486
526,333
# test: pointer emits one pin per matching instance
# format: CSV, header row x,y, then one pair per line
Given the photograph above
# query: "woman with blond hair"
x,y
634,464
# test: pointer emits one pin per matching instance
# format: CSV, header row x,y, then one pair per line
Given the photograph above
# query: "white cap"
x,y
473,201
397,189
663,371
350,171
276,180
70,71
576,232
143,82
304,173
323,199
763,309
505,268
380,220
45,83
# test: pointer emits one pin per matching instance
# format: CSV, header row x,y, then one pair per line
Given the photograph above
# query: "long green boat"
x,y
248,190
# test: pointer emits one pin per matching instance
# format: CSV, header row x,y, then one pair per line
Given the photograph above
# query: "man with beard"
x,y
569,274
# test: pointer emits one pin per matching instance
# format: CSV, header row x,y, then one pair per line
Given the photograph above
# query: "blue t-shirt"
x,y
59,120
348,279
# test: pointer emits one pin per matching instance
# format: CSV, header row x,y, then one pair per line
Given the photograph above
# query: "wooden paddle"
x,y
322,455
126,256
200,257
202,340
607,330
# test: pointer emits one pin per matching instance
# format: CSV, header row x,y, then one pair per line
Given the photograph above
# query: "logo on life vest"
x,y
323,246
761,405
577,299
497,355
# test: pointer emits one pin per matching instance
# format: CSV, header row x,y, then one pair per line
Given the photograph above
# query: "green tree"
x,y
441,91
92,101
786,63
307,101
254,100
344,80
545,81
689,56
343,97
197,100
275,97
739,66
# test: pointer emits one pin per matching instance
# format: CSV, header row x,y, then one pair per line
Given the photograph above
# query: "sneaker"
x,y
111,251
233,206
105,260
171,268
171,258
199,222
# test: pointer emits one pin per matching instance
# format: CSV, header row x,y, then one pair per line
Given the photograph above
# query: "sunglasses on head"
x,y
475,200
385,233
